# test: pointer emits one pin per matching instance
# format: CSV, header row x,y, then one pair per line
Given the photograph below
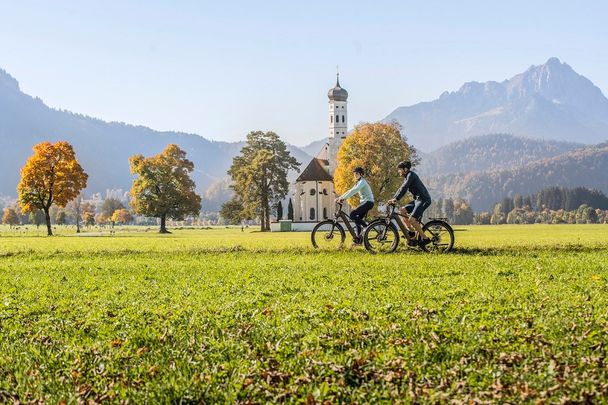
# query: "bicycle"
x,y
381,235
330,233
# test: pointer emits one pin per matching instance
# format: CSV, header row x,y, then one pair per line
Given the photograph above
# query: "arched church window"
x,y
343,118
325,213
331,119
337,118
324,191
312,191
312,213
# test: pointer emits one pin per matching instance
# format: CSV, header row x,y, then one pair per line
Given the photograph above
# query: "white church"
x,y
314,195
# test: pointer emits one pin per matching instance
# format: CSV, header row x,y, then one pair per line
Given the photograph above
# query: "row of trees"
x,y
162,188
584,214
458,212
556,198
550,205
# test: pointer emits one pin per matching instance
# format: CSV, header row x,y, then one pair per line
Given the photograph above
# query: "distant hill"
x,y
102,147
585,167
489,152
549,101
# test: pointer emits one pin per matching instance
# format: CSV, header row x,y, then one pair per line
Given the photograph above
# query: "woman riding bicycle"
x,y
366,201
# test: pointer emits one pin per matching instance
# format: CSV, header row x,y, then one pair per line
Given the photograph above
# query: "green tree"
x,y
448,209
507,205
233,211
259,174
290,210
279,211
163,187
518,201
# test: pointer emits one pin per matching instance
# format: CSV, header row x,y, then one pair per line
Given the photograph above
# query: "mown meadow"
x,y
514,314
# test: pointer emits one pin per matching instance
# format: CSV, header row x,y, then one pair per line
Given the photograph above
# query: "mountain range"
x,y
541,128
103,148
549,101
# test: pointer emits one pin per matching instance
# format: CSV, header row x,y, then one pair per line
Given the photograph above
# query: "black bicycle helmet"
x,y
406,164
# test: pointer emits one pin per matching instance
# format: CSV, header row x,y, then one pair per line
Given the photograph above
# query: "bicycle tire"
x,y
333,226
377,225
438,244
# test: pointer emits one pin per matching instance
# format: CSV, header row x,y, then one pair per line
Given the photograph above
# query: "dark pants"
x,y
417,207
359,213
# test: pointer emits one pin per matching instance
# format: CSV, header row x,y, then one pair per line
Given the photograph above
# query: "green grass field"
x,y
515,313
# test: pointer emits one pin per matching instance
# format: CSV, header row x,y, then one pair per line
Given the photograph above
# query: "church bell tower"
x,y
338,121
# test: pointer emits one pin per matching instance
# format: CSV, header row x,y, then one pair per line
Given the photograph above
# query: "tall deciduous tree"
x,y
163,187
377,147
259,174
52,175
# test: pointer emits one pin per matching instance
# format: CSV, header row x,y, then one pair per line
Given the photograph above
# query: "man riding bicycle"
x,y
366,201
415,209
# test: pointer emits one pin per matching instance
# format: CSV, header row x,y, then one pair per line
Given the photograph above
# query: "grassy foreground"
x,y
516,313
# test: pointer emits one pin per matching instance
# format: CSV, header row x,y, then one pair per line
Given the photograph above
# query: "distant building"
x,y
314,188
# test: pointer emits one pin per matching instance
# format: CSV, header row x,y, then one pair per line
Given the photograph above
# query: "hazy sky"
x,y
221,69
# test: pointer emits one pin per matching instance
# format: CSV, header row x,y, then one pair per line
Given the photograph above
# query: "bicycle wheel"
x,y
441,235
327,235
380,237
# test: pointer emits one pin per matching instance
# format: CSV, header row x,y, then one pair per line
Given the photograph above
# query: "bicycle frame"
x,y
392,214
342,215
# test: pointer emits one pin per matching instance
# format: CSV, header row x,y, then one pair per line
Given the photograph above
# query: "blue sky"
x,y
221,69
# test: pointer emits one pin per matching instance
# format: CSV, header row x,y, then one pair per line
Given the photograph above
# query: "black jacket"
x,y
413,183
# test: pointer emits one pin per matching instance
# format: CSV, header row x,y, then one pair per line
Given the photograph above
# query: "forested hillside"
x,y
587,167
487,152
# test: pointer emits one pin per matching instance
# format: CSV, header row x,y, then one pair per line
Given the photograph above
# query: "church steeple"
x,y
338,120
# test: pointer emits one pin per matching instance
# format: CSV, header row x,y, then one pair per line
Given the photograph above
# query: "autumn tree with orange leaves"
x,y
378,148
163,187
52,175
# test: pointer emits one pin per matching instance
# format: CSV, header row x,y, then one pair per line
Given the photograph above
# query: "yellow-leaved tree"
x,y
163,187
122,216
378,148
52,175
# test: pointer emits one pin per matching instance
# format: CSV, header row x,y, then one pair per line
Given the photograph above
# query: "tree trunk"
x,y
163,224
47,217
77,221
262,216
265,213
268,220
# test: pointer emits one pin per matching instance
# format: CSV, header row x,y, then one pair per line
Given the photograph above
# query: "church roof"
x,y
315,171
